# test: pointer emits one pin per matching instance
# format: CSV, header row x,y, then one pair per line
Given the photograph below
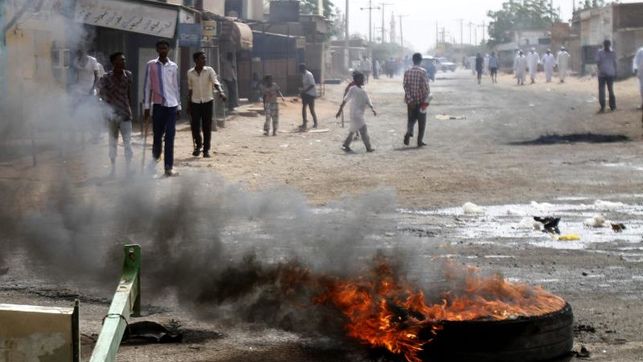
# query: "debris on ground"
x,y
152,332
618,228
472,209
447,117
530,223
596,221
568,237
550,224
583,353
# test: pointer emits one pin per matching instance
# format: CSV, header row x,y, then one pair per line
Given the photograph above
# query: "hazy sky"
x,y
421,17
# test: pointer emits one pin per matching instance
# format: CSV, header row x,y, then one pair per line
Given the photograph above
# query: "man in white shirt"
x,y
161,93
637,68
359,101
201,82
87,76
308,95
83,94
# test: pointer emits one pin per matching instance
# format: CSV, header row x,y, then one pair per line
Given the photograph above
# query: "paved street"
x,y
512,150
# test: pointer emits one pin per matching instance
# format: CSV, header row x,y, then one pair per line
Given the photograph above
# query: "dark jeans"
x,y
164,124
308,101
201,115
416,116
233,101
609,82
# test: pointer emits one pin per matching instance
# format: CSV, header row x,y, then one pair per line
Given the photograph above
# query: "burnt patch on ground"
x,y
555,139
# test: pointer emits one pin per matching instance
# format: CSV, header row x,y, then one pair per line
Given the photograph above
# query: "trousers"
x,y
606,81
123,125
201,119
164,128
414,115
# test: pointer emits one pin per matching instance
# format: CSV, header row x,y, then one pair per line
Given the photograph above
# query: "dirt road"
x,y
507,146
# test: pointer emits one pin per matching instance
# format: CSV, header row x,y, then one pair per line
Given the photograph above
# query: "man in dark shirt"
x,y
115,90
606,64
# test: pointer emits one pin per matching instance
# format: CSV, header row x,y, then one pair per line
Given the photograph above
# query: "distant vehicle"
x,y
428,63
445,65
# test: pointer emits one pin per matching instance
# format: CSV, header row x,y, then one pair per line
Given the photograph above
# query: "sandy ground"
x,y
481,157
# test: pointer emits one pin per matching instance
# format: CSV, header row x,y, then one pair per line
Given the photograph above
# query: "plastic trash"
x,y
569,237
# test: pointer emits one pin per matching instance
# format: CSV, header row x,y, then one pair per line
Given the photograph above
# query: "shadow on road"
x,y
555,139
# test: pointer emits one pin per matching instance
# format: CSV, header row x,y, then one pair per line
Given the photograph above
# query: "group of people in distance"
x,y
530,62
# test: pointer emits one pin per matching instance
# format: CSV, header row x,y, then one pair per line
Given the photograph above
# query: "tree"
x,y
524,15
310,6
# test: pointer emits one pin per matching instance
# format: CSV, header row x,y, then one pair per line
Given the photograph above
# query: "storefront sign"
x,y
190,35
129,16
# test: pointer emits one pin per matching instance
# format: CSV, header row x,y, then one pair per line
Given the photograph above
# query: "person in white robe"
x,y
563,64
549,63
533,59
359,100
520,67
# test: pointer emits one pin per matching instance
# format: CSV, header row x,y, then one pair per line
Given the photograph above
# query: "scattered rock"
x,y
596,221
472,209
550,224
618,228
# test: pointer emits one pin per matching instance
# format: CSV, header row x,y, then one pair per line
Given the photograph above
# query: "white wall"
x,y
253,10
214,6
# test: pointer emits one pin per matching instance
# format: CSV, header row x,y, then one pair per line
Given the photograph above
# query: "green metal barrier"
x,y
126,303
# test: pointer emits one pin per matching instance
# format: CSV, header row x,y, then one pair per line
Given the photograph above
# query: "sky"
x,y
420,17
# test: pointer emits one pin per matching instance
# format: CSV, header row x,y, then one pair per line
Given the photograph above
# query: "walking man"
x,y
202,80
549,62
229,75
637,68
308,95
416,95
479,67
606,63
87,76
493,67
359,100
533,59
563,64
366,68
520,67
161,94
115,88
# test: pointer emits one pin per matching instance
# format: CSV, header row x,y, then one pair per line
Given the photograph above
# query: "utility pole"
x,y
383,5
370,9
437,35
484,31
402,31
471,33
461,32
347,44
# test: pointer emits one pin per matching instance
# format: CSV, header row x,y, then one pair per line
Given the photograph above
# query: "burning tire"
x,y
544,338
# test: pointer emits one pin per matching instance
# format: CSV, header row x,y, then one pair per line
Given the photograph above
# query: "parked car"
x,y
445,65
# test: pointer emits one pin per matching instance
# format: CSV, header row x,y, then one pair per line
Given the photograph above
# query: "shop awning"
x,y
237,33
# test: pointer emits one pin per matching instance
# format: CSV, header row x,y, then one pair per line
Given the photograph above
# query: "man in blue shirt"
x,y
606,64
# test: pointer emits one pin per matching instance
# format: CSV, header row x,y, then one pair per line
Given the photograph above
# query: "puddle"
x,y
512,225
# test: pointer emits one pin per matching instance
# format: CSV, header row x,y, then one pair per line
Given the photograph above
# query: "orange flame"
x,y
383,311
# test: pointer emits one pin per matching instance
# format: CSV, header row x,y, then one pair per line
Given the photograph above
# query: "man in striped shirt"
x,y
416,94
161,93
115,90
